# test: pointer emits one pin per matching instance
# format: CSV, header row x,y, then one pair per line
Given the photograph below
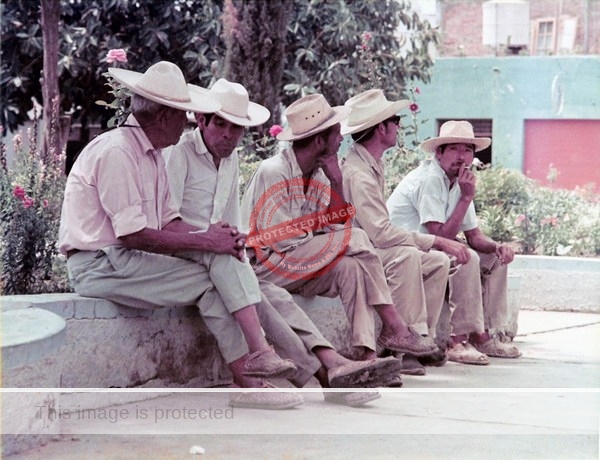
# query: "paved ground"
x,y
545,405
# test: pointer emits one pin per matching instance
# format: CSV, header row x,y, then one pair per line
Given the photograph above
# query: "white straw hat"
x,y
164,83
310,115
368,109
236,106
456,132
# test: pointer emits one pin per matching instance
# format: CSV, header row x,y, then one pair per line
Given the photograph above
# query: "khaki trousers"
x,y
478,296
417,282
145,280
356,276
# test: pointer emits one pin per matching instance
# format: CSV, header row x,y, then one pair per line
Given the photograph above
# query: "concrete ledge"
x,y
558,283
109,345
29,335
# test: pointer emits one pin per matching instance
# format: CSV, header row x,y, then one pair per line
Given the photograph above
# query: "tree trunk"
x,y
255,37
56,128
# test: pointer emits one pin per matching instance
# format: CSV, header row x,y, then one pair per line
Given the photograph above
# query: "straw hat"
x,y
456,132
164,83
310,115
236,106
368,109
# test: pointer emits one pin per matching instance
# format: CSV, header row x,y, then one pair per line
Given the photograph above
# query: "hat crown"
x,y
365,106
234,97
165,80
459,129
308,113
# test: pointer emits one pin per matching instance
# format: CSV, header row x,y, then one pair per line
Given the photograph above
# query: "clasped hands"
x,y
227,239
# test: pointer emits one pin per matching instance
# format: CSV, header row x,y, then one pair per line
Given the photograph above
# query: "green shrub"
x,y
515,209
31,192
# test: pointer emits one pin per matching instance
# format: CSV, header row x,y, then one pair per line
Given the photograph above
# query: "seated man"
x,y
118,226
204,183
437,198
301,233
416,276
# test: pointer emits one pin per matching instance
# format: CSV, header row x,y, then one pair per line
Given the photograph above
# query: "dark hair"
x,y
443,146
365,134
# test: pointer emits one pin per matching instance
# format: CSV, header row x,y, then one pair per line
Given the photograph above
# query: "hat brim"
x,y
480,143
257,115
340,113
201,100
392,109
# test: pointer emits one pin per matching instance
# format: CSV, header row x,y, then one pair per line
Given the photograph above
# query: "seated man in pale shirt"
x,y
119,229
437,198
204,181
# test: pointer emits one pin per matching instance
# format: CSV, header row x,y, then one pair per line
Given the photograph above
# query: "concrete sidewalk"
x,y
544,405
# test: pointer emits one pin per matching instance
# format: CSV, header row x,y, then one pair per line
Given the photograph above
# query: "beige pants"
x,y
477,295
417,282
356,276
145,280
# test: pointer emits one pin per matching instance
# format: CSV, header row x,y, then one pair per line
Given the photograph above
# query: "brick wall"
x,y
461,24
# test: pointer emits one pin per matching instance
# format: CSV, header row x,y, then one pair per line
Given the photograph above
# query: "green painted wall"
x,y
510,90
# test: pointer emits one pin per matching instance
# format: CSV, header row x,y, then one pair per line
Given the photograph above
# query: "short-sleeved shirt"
x,y
279,176
364,181
117,187
203,194
426,195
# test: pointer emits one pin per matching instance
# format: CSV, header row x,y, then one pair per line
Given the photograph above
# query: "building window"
x,y
549,37
481,128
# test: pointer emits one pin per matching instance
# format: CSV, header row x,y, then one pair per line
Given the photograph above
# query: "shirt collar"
x,y
139,135
199,145
365,156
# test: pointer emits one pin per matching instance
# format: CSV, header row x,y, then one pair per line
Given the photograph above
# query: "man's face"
x,y
334,140
175,121
453,156
220,136
392,126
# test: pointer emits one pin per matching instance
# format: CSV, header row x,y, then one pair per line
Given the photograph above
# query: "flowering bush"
x,y
31,192
120,103
515,209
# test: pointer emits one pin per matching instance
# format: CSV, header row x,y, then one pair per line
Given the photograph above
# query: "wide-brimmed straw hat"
x,y
456,132
164,83
368,109
310,115
236,106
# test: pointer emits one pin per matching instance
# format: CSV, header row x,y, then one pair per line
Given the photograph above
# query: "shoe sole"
x,y
474,363
280,374
417,354
264,406
340,398
370,377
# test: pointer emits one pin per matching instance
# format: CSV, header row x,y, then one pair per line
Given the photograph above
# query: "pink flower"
x,y
19,192
417,90
275,130
552,221
119,55
413,107
366,36
28,202
45,203
520,219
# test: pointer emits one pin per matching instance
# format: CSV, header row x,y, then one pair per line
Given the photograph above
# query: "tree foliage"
x,y
259,68
322,48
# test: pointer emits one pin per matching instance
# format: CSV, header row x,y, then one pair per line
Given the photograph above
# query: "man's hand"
x,y
466,182
453,248
226,239
330,166
505,253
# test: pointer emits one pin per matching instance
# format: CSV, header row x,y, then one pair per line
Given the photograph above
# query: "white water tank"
x,y
506,22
